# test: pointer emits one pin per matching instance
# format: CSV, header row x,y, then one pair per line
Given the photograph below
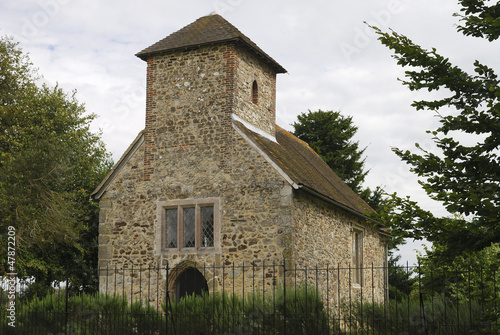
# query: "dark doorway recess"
x,y
189,282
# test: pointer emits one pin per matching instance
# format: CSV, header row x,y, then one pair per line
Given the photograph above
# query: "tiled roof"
x,y
306,168
206,30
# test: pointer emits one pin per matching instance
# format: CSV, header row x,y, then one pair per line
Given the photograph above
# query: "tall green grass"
x,y
299,311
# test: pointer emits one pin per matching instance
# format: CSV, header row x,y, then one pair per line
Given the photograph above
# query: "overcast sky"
x,y
334,62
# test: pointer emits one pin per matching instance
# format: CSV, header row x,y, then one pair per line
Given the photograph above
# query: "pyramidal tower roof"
x,y
211,29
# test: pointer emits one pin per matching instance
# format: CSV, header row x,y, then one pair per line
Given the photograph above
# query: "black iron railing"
x,y
263,298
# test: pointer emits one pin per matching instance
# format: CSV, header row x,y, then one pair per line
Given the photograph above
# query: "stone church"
x,y
212,181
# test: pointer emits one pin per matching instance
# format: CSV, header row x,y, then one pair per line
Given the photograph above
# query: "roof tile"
x,y
206,30
306,168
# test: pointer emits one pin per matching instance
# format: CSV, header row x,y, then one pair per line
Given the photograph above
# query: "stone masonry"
x,y
195,148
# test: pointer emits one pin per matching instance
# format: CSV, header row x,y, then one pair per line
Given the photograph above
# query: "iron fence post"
x,y
168,306
66,302
167,299
284,296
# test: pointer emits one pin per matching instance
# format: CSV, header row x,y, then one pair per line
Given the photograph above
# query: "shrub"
x,y
431,316
86,314
300,311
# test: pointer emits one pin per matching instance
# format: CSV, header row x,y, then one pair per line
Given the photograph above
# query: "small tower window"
x,y
255,92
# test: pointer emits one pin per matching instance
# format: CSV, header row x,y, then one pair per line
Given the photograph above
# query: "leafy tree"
x,y
330,135
470,274
464,177
480,20
50,162
401,278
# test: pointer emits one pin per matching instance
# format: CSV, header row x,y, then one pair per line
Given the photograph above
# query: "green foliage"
x,y
374,198
57,313
300,311
472,275
330,135
50,162
406,219
414,316
480,20
304,309
401,279
457,296
464,177
17,75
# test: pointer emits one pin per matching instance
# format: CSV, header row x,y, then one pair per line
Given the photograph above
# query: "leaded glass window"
x,y
207,226
171,228
189,227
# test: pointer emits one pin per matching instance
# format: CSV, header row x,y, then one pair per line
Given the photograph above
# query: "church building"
x,y
212,181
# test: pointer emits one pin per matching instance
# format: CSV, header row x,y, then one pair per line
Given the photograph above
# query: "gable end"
x,y
101,188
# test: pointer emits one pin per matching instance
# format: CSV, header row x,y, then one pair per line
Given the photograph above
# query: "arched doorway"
x,y
189,282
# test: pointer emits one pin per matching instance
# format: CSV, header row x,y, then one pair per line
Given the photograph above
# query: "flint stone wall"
x,y
190,150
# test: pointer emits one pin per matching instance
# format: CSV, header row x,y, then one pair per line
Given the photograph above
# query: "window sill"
x,y
204,250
